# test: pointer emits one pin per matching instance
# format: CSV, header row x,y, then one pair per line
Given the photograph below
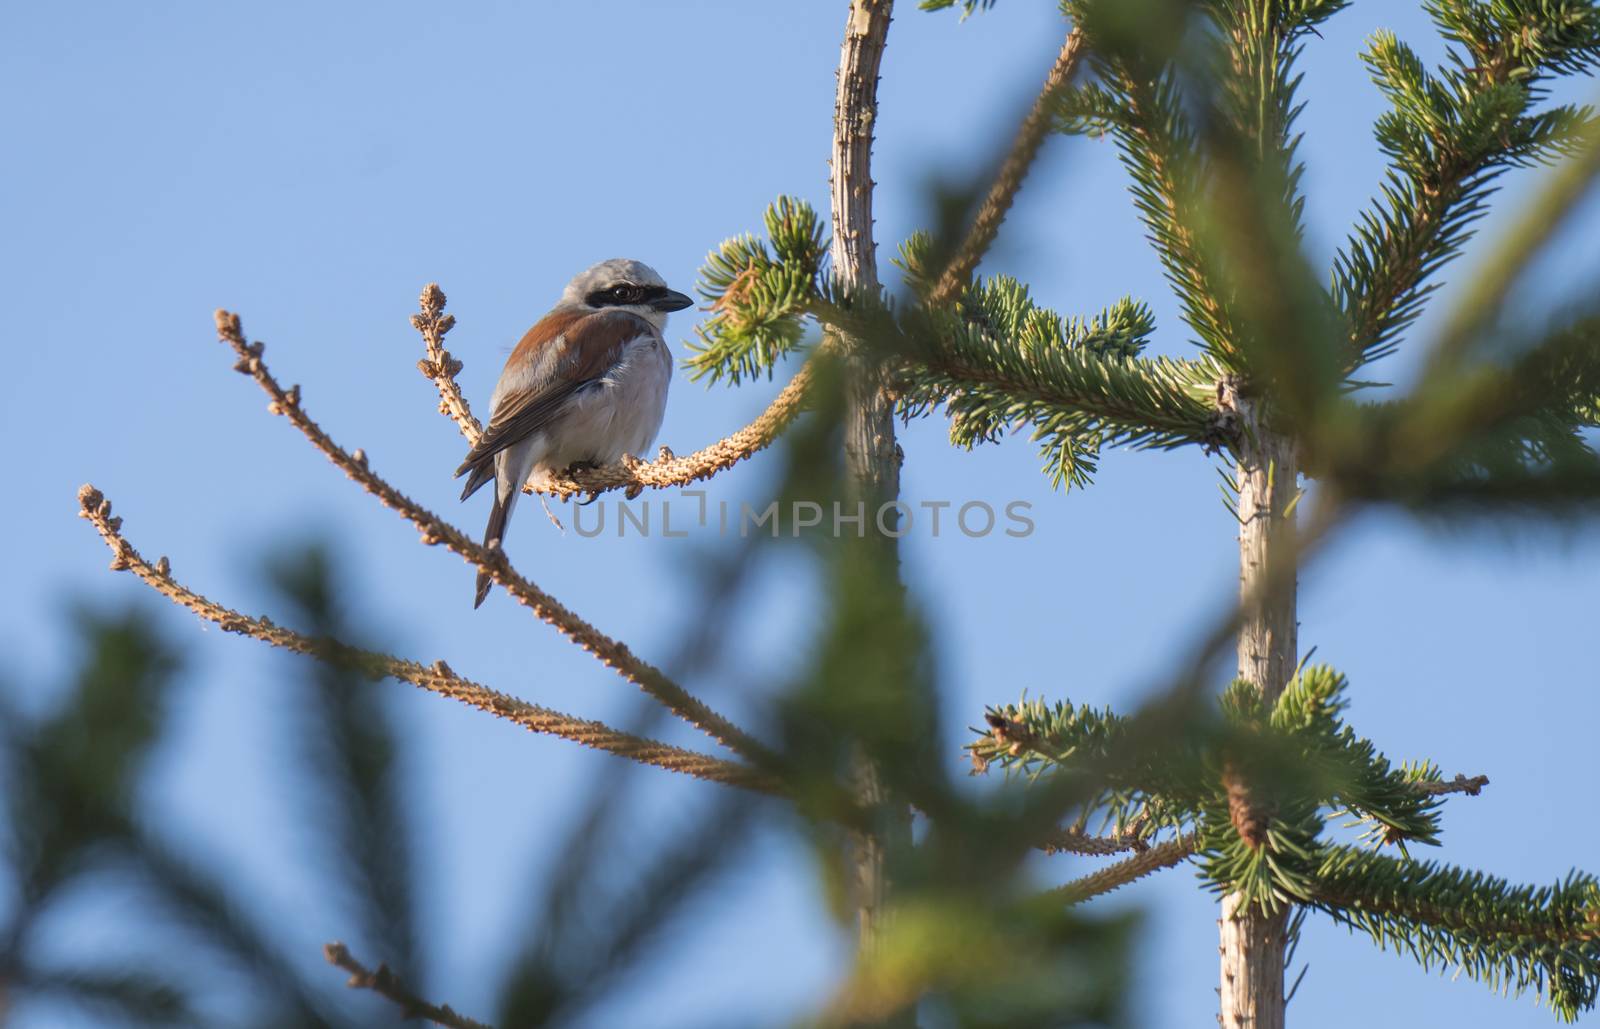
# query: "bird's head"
x,y
629,285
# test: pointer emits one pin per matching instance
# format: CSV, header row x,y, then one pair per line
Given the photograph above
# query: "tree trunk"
x,y
872,460
1252,943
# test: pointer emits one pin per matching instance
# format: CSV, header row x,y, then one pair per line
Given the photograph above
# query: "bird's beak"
x,y
673,301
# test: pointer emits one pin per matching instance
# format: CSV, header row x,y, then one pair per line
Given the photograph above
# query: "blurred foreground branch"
x,y
386,983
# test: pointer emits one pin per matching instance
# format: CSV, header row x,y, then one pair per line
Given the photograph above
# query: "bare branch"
x,y
1030,137
436,678
1076,841
612,653
387,984
630,474
1162,855
1460,784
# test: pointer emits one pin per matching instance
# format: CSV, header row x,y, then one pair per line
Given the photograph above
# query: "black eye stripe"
x,y
625,294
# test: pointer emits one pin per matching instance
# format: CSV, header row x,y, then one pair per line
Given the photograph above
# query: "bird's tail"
x,y
512,467
499,515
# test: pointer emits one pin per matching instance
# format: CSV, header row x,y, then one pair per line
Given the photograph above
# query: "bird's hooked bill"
x,y
672,300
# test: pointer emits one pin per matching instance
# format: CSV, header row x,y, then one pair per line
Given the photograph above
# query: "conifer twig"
x,y
1460,784
439,366
630,474
1163,191
1162,855
1401,247
385,983
997,203
1076,841
436,678
435,530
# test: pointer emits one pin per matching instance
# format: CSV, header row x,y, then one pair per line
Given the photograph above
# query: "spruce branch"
x,y
1112,877
1158,148
1451,133
612,653
1287,344
1074,400
1510,937
758,298
1130,785
630,474
1258,785
1260,44
1139,102
996,361
386,984
1359,779
435,678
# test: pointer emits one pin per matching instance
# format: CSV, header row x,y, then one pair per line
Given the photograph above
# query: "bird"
x,y
586,385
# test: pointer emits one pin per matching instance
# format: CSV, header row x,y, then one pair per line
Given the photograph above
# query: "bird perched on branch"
x,y
586,385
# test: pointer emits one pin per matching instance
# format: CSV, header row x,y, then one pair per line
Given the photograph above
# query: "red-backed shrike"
x,y
586,385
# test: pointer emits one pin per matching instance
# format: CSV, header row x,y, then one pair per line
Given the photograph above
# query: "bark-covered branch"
x,y
435,678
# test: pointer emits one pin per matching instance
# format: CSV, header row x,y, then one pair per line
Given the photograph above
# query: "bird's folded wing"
x,y
561,355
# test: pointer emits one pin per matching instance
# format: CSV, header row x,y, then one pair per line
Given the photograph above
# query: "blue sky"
x,y
311,166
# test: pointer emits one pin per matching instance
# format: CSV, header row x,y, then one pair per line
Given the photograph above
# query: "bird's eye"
x,y
627,293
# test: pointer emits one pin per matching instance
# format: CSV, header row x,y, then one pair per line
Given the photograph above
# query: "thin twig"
x,y
439,365
436,678
435,530
1460,784
387,984
1076,841
1162,855
630,474
1030,137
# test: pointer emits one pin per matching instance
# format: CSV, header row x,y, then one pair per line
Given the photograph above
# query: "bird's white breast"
x,y
619,413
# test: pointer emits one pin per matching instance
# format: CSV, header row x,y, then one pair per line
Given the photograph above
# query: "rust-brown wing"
x,y
560,355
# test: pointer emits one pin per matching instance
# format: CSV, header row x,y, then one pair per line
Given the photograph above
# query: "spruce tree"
x,y
1200,99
